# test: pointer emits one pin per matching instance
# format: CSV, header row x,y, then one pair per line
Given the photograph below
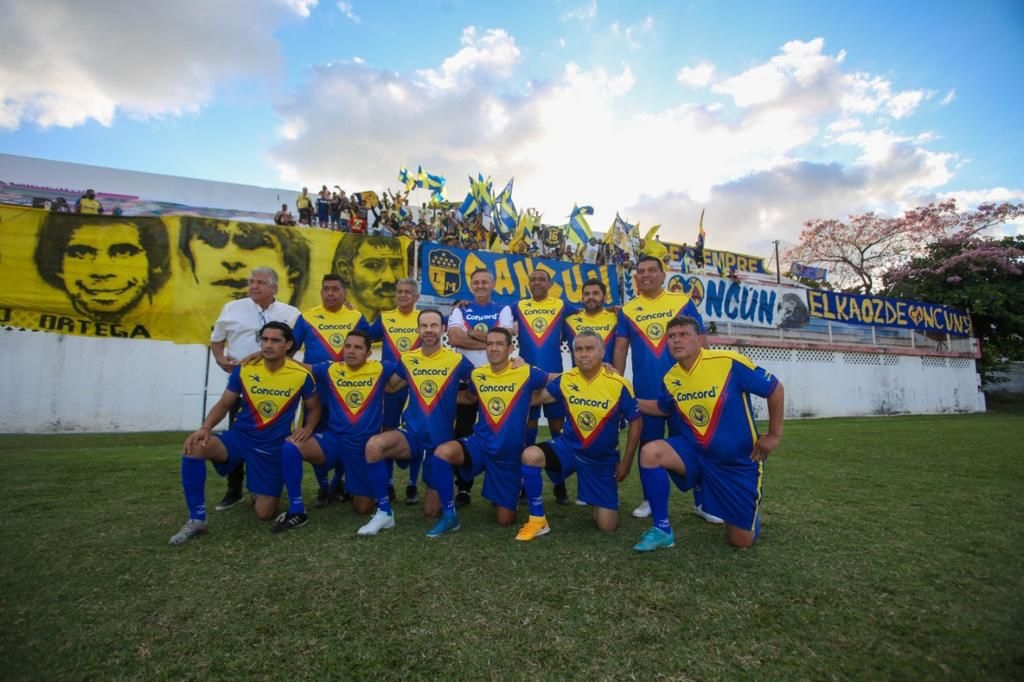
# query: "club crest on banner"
x,y
444,267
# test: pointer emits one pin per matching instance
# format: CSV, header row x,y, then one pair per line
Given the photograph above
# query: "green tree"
x,y
982,275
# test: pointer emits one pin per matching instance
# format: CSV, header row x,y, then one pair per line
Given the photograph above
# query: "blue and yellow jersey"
x,y
433,393
398,332
353,399
595,409
710,404
504,405
643,321
540,331
604,323
323,333
269,399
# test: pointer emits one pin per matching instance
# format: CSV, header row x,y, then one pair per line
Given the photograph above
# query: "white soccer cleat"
x,y
643,511
710,518
378,522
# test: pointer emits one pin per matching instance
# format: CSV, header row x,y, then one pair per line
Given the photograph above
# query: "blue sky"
x,y
765,114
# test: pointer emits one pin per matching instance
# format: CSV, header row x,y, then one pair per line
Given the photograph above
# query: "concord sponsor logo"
x,y
260,390
589,402
697,395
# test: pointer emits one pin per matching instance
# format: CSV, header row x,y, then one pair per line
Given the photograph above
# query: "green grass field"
x,y
891,549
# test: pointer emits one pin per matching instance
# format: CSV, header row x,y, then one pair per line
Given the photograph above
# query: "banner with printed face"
x,y
721,299
888,312
168,277
447,271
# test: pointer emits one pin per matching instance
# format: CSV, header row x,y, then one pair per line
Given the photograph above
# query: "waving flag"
x,y
406,179
698,248
650,246
508,216
578,230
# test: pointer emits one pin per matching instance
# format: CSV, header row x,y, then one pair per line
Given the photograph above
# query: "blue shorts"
x,y
596,484
350,454
653,429
732,489
262,460
551,411
418,449
394,403
503,478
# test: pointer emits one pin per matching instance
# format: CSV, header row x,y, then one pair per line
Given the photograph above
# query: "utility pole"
x,y
778,265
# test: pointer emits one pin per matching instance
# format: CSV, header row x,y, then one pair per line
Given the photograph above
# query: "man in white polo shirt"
x,y
236,335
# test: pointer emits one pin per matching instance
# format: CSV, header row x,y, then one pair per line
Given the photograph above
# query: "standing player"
x,y
236,335
270,388
596,402
594,317
398,330
434,374
707,394
641,331
503,393
467,333
353,398
321,332
541,321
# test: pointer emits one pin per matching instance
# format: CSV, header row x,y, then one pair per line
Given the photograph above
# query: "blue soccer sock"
x,y
656,488
534,486
338,482
531,436
415,462
444,479
390,464
193,482
291,472
379,480
698,496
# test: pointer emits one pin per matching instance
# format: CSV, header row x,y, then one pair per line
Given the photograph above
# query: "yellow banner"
x,y
168,277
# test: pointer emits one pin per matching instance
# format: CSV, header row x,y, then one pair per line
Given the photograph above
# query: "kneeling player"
x,y
595,400
503,393
270,387
353,397
707,394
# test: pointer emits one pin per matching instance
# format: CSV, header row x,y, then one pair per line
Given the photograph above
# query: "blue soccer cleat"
x,y
448,523
655,538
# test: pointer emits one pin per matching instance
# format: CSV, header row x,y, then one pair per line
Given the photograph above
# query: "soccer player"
x,y
433,374
707,394
541,321
594,317
596,401
353,398
236,335
641,332
271,388
503,393
467,333
321,332
398,329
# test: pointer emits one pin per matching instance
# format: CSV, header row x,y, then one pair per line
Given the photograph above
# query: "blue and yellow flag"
x,y
508,216
578,229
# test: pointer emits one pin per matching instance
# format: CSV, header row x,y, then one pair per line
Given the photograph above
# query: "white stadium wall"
x,y
54,383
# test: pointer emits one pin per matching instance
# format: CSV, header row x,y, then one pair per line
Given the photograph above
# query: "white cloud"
x,y
347,9
948,99
698,76
585,12
301,7
634,33
156,60
802,138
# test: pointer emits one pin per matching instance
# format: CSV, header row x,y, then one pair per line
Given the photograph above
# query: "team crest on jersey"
x,y
428,388
539,324
586,421
655,331
444,267
699,416
336,340
481,327
354,399
404,344
267,409
496,406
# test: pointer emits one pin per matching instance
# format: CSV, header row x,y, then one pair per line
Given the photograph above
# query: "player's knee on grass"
x,y
739,537
533,456
505,517
363,505
607,520
431,504
266,507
